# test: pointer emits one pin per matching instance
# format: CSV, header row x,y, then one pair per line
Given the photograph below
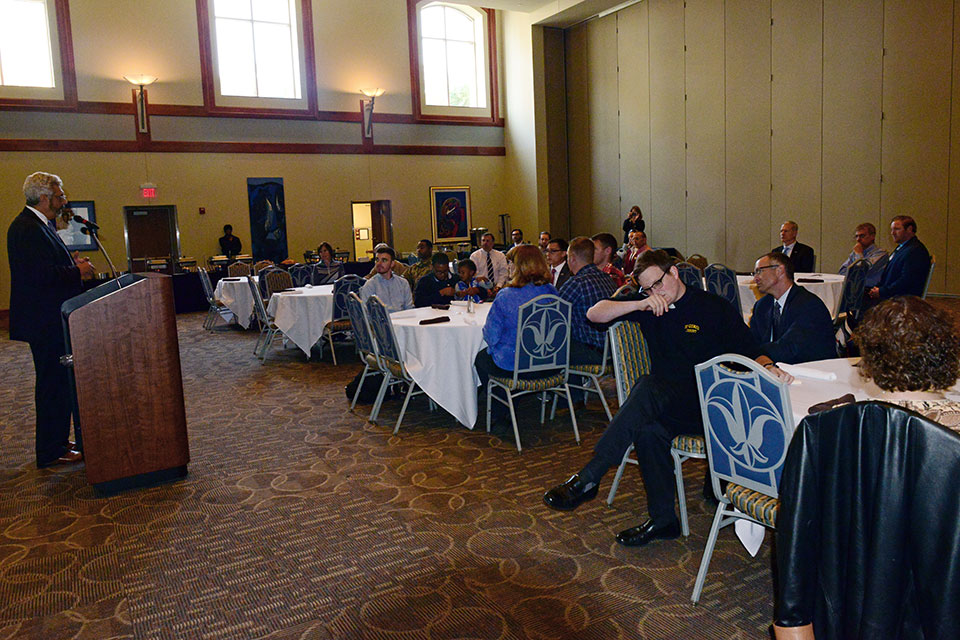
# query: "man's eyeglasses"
x,y
656,284
554,250
759,270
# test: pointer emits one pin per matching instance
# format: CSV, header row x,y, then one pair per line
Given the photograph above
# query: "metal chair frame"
x,y
342,288
268,329
217,309
366,345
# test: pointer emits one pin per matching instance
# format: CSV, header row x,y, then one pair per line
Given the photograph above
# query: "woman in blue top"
x,y
531,279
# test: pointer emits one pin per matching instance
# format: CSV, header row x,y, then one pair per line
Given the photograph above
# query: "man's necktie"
x,y
553,274
52,224
775,324
489,267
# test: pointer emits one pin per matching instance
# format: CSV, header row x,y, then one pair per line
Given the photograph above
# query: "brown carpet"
x,y
300,519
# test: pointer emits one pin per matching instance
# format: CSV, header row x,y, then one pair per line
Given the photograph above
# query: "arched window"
x,y
451,46
33,52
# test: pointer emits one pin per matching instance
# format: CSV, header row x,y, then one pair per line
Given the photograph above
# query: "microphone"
x,y
89,225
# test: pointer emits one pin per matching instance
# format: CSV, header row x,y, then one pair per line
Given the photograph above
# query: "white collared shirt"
x,y
788,248
555,271
780,302
44,219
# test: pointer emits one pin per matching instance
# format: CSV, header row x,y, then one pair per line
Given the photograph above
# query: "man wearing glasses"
x,y
791,324
683,327
865,248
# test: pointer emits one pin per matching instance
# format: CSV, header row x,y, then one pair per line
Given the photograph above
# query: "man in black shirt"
x,y
438,286
229,243
682,327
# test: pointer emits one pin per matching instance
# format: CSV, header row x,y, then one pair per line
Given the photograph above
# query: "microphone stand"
x,y
113,271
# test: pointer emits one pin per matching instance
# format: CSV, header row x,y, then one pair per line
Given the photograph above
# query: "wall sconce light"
x,y
141,81
366,108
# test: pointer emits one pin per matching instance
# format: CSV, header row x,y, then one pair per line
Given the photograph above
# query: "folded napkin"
x,y
806,372
809,280
231,279
826,405
287,291
441,307
436,320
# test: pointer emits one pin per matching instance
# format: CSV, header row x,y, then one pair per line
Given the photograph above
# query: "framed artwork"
x,y
72,236
268,219
450,214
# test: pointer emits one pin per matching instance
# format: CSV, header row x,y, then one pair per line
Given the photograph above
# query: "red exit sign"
x,y
148,192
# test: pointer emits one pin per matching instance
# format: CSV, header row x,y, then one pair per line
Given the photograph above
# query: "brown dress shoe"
x,y
69,457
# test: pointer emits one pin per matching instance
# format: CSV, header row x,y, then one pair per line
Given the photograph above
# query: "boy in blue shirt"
x,y
468,287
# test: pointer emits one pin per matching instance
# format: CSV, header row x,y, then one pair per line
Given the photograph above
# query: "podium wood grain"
x,y
129,387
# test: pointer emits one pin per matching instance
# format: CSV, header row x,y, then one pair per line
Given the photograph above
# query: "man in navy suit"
x,y
909,264
791,324
801,254
43,274
557,261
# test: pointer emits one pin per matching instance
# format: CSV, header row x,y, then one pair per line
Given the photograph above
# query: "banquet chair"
x,y
268,328
391,360
340,324
588,376
748,423
276,280
867,531
722,280
690,275
926,285
261,265
301,274
323,274
850,306
238,270
630,361
543,347
698,261
366,346
623,291
217,309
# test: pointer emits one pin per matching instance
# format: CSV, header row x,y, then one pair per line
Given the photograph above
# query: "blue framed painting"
x,y
72,235
268,219
450,214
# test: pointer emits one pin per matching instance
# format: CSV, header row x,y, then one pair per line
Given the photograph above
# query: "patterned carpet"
x,y
300,519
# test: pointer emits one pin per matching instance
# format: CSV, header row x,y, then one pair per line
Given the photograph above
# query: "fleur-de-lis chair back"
x,y
340,324
722,280
748,423
301,274
690,275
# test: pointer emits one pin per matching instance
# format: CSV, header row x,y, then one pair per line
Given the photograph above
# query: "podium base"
x,y
113,487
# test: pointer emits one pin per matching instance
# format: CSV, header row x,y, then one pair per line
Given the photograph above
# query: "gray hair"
x,y
40,184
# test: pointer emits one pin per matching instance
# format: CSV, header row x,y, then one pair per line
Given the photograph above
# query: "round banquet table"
x,y
439,357
235,293
829,290
302,314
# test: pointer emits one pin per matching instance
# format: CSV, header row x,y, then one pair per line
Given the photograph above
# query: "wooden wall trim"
x,y
155,146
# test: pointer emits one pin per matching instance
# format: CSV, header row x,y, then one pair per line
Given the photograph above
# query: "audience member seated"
x,y
437,287
683,327
911,352
605,248
557,261
908,266
423,266
586,286
517,237
544,240
791,324
230,244
398,267
467,287
865,249
500,331
393,290
634,222
801,254
327,270
638,246
491,264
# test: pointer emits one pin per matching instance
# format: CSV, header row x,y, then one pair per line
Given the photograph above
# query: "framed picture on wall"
x,y
450,214
71,235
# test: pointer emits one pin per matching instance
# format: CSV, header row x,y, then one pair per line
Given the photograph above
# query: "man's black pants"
x,y
54,399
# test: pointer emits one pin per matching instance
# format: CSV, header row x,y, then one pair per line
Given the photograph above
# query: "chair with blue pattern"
x,y
722,280
301,274
690,275
391,360
340,324
366,346
748,423
543,347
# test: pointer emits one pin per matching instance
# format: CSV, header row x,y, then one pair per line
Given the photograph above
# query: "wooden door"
x,y
151,232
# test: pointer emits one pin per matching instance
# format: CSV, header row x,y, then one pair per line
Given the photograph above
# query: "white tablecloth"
x,y
829,290
440,356
302,314
236,295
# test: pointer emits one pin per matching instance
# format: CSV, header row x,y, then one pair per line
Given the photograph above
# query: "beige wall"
x,y
762,110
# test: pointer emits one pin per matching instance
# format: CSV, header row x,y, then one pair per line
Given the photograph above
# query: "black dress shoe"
x,y
569,495
644,533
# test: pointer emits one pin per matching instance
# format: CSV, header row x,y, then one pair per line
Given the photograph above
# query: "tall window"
x,y
452,45
257,48
26,56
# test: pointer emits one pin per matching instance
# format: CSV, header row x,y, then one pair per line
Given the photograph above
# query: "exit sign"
x,y
148,191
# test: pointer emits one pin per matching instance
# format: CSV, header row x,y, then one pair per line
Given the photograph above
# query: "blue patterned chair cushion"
x,y
535,384
690,444
757,505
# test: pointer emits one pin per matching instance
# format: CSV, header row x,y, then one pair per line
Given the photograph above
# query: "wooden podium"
x,y
126,364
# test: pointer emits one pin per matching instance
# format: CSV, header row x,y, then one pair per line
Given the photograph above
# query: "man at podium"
x,y
43,274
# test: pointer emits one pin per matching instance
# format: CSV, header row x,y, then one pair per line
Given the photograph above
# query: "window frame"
x,y
63,95
216,103
423,113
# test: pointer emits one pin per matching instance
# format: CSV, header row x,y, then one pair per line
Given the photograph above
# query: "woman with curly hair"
x,y
911,351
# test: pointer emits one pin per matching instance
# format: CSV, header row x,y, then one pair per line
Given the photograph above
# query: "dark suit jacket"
x,y
42,277
906,271
802,256
564,275
806,330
